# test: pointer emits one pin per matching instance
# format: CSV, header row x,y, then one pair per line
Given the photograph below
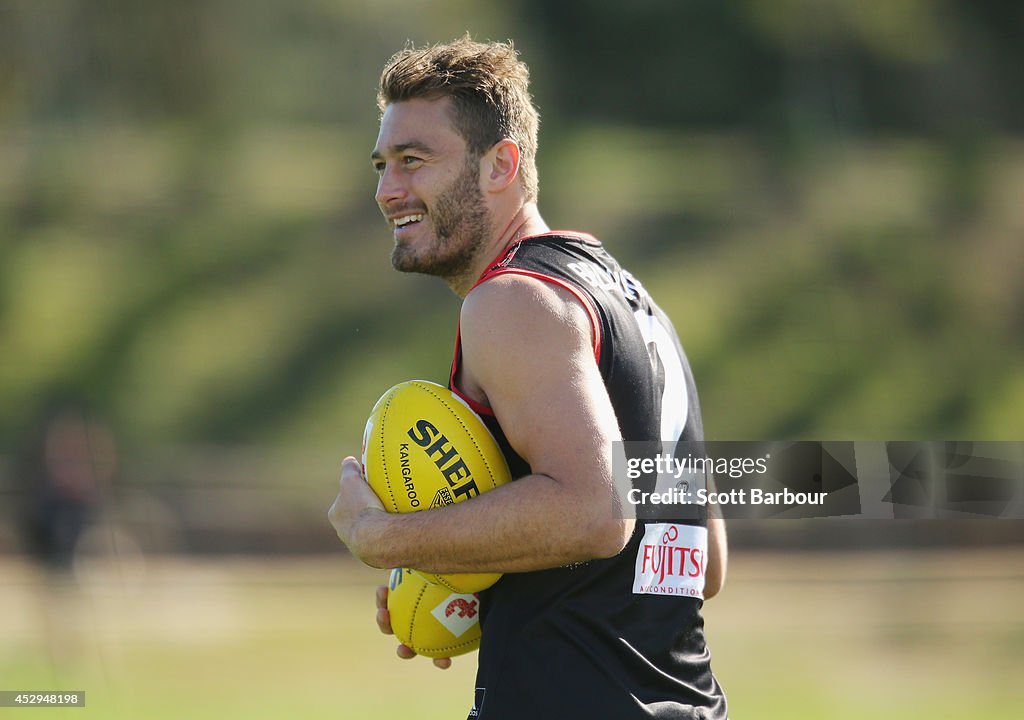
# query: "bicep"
x,y
537,368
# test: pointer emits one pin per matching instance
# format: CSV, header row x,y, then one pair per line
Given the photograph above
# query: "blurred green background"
x,y
826,196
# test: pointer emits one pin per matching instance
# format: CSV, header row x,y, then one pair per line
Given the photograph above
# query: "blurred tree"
x,y
110,57
907,65
690,63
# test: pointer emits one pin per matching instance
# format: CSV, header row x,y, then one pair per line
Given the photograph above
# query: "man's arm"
x,y
718,557
528,352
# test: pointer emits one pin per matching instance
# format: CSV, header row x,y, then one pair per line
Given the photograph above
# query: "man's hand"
x,y
384,623
356,500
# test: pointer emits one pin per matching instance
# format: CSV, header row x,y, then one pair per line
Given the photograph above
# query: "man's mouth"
x,y
407,221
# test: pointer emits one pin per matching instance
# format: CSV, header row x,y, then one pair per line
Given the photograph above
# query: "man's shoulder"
x,y
516,296
526,311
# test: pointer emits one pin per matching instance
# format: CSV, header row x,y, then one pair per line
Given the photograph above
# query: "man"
x,y
562,353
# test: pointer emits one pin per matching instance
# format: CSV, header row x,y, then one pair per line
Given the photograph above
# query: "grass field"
x,y
882,635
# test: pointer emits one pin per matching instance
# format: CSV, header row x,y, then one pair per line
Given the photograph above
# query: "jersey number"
x,y
669,376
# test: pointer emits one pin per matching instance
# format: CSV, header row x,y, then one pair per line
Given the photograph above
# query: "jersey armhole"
x,y
478,408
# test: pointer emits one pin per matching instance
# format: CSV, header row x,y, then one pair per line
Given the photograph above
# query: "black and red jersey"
x,y
622,637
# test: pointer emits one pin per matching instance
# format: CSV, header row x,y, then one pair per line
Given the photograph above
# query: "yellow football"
x,y
430,619
423,447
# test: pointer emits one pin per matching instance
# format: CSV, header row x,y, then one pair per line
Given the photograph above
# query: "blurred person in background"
x,y
562,353
71,458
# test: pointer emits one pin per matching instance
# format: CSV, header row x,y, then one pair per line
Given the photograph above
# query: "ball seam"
x,y
384,464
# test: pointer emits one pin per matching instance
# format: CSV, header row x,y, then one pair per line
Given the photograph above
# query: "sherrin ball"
x,y
431,619
423,447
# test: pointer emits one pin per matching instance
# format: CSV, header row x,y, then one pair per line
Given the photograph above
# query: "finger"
x,y
405,652
382,597
442,663
384,621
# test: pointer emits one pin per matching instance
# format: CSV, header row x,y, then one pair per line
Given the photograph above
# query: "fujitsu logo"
x,y
668,559
671,560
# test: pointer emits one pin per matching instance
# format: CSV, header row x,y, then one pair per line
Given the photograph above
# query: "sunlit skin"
x,y
464,210
429,181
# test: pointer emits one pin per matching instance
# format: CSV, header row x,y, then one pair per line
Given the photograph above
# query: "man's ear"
x,y
501,165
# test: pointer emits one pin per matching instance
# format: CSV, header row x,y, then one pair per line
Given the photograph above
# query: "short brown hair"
x,y
489,89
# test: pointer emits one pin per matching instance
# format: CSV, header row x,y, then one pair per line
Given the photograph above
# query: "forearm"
x,y
718,556
531,524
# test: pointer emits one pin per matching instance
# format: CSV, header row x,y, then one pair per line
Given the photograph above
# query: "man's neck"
x,y
526,222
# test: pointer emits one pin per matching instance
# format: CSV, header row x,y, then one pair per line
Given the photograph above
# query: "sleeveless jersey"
x,y
610,638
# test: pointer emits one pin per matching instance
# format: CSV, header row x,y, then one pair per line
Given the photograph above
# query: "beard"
x,y
461,224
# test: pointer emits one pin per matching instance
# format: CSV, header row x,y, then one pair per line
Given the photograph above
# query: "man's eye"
x,y
378,167
410,160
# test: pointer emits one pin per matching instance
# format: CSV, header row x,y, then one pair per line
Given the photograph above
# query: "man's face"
x,y
429,190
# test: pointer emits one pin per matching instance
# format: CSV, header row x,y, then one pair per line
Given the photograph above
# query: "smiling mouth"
x,y
407,221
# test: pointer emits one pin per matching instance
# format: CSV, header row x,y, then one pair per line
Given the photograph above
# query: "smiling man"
x,y
562,352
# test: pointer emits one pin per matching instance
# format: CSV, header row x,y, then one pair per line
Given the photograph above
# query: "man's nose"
x,y
389,187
